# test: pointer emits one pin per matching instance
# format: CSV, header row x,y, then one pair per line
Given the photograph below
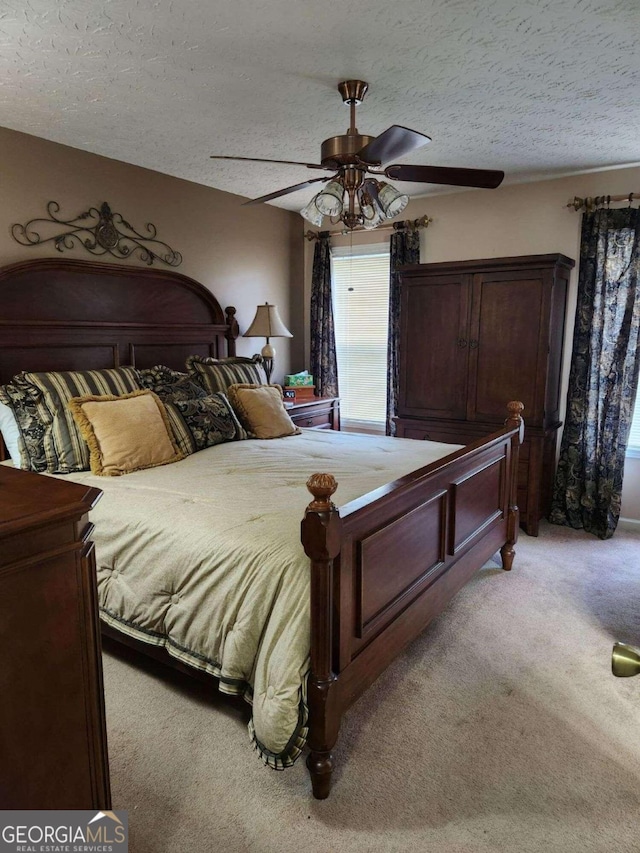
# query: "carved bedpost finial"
x,y
233,330
321,486
230,317
515,409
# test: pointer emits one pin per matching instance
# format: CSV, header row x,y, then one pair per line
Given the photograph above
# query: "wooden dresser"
x,y
53,744
475,334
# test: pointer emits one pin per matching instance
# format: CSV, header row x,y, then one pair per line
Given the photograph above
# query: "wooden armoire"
x,y
474,335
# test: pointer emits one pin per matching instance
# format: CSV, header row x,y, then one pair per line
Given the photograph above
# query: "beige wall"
x,y
244,255
524,219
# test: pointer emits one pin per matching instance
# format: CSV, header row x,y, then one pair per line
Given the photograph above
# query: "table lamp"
x,y
267,324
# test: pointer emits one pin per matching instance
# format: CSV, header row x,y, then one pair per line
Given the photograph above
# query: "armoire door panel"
x,y
558,290
435,317
505,346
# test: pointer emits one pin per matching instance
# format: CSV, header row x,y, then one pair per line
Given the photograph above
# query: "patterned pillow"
x,y
50,439
22,399
170,385
216,374
203,422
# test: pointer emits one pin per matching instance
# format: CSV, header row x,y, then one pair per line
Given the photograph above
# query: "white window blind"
x,y
360,288
633,446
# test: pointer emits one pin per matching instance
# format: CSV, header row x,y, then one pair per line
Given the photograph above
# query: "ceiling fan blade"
x,y
484,178
261,160
395,141
286,191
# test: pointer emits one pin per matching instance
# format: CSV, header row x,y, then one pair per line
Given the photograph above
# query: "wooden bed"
x,y
381,568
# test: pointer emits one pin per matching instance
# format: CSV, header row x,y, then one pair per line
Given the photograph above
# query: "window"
x,y
360,288
633,446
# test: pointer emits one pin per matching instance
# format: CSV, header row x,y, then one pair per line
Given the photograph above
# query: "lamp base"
x,y
267,364
268,353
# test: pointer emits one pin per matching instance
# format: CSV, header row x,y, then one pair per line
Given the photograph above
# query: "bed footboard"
x,y
385,565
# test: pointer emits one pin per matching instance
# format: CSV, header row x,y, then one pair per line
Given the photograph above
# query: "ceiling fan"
x,y
350,195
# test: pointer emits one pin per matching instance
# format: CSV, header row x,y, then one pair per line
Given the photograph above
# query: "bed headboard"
x,y
58,314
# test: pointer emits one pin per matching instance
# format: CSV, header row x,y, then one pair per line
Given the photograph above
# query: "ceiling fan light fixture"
x,y
370,210
367,209
329,200
391,200
377,219
312,214
365,202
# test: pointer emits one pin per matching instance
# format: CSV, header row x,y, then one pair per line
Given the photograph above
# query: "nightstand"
x,y
316,413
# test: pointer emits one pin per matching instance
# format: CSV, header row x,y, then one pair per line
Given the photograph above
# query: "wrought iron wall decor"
x,y
101,232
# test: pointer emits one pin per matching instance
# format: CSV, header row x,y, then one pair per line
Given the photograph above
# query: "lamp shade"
x,y
267,324
312,214
377,219
391,201
329,200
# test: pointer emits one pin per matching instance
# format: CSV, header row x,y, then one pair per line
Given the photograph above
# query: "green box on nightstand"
x,y
298,379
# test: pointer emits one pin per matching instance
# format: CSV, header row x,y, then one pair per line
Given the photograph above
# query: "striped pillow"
x,y
52,442
203,422
216,374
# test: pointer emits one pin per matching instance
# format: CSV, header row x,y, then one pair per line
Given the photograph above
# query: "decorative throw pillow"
x,y
203,422
216,374
50,440
126,433
10,433
22,398
170,385
261,410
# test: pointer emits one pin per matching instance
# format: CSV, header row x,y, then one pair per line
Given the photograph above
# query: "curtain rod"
x,y
421,222
590,203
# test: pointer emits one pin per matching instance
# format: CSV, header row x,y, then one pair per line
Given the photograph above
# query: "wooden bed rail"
x,y
391,562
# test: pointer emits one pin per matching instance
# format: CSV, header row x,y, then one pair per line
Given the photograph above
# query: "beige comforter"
x,y
204,558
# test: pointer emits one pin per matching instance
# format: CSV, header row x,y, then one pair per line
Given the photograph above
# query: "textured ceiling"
x,y
542,87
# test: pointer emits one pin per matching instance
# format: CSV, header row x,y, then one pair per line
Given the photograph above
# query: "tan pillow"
x,y
261,410
126,433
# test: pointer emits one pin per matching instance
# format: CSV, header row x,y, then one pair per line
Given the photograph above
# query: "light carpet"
x,y
500,729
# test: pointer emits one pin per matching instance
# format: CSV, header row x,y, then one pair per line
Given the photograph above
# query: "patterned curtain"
x,y
324,366
604,374
404,249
